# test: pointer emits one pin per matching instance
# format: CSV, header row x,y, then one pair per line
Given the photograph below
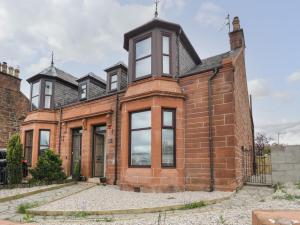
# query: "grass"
x,y
289,197
81,214
194,205
28,218
278,186
22,208
105,219
298,185
222,220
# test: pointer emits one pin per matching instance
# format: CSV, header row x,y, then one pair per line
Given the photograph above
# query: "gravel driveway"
x,y
236,210
111,198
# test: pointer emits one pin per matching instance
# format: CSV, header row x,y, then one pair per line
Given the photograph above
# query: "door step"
x,y
94,180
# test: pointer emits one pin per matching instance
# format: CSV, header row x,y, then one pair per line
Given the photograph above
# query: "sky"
x,y
87,36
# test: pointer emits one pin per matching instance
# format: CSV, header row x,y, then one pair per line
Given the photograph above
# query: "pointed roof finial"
x,y
52,61
156,13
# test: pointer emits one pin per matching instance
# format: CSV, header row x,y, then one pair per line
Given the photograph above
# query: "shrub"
x,y
14,160
48,168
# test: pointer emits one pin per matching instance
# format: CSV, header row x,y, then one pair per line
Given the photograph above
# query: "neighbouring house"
x,y
170,121
14,105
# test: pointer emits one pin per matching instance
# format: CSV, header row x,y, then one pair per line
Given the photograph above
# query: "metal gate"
x,y
257,167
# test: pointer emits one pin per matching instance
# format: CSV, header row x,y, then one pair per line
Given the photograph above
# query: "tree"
x,y
48,168
14,160
262,144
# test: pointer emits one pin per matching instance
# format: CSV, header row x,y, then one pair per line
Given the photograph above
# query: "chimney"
x,y
236,36
0,66
11,70
4,67
17,72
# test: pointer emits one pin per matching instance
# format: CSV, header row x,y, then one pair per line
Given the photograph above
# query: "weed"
x,y
22,208
194,205
28,218
222,220
278,186
262,200
105,219
298,185
289,197
80,214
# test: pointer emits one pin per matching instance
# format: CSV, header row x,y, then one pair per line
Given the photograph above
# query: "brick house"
x,y
170,121
13,103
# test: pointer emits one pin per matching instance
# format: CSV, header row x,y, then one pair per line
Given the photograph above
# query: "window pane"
x,y
143,48
166,64
143,67
83,91
113,86
168,118
36,89
35,102
113,78
47,102
48,88
168,147
44,138
166,45
141,119
141,148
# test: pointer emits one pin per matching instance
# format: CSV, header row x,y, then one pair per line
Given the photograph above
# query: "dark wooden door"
x,y
99,151
76,149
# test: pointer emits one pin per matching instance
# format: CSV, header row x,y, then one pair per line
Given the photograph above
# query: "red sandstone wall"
x,y
243,126
197,164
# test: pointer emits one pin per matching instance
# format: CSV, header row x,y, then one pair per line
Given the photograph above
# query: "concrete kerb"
x,y
123,211
18,196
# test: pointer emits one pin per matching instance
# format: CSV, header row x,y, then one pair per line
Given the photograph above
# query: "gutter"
x,y
210,136
116,138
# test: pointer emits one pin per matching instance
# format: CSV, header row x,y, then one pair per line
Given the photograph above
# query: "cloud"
x,y
258,88
210,14
294,76
289,132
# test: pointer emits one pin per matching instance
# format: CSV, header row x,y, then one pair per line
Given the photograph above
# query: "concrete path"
x,y
8,209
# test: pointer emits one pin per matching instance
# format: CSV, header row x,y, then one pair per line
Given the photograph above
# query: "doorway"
x,y
98,161
76,149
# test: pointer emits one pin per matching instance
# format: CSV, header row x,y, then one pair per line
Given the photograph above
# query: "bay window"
x,y
140,139
35,95
48,94
168,137
143,58
44,141
166,54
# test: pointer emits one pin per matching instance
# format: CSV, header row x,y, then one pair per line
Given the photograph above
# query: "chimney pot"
x,y
236,24
11,70
0,66
4,67
17,72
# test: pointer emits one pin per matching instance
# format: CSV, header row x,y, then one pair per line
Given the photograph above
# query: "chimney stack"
x,y
236,36
4,67
11,70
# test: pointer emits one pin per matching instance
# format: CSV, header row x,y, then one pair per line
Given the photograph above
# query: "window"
x,y
35,95
83,91
113,81
168,138
166,54
143,58
28,146
44,142
48,94
140,139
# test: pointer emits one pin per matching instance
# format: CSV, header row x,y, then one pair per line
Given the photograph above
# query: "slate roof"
x,y
208,63
52,71
91,74
120,63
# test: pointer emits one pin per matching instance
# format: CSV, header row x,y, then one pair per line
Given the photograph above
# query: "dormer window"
x,y
166,54
48,94
143,57
83,91
113,82
35,95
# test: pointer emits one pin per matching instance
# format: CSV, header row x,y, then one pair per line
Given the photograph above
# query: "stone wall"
x,y
285,163
13,107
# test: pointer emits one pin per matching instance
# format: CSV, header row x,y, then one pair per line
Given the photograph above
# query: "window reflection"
x,y
44,143
143,58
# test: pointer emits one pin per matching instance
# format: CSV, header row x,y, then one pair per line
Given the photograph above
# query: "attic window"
x,y
113,82
83,91
143,58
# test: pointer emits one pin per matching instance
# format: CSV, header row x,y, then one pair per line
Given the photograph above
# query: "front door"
x,y
76,149
99,151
